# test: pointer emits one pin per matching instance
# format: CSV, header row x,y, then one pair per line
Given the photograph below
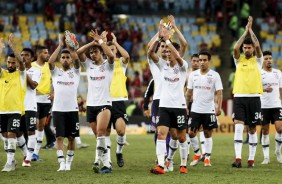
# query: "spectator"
x,y
136,85
146,75
49,12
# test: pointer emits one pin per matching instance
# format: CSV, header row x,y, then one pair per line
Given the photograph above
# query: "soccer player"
x,y
65,107
172,137
12,83
119,95
43,101
194,66
30,105
271,106
247,91
99,74
203,84
172,107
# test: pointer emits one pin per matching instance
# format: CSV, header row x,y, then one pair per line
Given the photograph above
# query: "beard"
x,y
11,70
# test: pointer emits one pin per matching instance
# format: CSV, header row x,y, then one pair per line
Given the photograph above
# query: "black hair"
x,y
205,52
12,55
65,51
96,47
29,50
248,41
267,52
40,48
194,55
176,45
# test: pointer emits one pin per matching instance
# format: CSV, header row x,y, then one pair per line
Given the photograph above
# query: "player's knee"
x,y
182,139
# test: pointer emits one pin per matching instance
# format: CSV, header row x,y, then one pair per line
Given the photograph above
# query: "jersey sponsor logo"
x,y
97,78
245,65
171,79
65,83
203,87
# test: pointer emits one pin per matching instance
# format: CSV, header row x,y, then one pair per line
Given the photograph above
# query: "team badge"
x,y
176,70
70,75
209,80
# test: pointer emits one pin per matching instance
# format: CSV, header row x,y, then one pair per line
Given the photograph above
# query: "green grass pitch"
x,y
139,157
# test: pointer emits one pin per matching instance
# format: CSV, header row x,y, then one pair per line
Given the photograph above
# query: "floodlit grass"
x,y
139,157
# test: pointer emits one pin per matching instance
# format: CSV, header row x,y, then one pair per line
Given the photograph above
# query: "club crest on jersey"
x,y
70,75
176,70
102,68
209,80
276,76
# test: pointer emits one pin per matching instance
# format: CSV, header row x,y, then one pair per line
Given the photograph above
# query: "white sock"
x,y
108,145
253,141
195,145
77,140
102,151
265,146
60,156
30,146
173,144
183,153
238,140
39,139
188,143
120,143
69,159
278,143
22,145
160,151
208,145
202,140
12,142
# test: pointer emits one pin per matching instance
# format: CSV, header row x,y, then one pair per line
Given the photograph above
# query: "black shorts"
x,y
209,121
155,112
92,112
66,123
23,124
10,123
43,110
118,110
248,110
271,115
173,118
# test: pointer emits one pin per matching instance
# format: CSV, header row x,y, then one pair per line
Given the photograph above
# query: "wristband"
x,y
167,42
100,41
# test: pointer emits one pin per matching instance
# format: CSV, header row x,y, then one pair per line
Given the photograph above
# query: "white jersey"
x,y
204,88
99,82
173,81
30,103
271,79
157,76
65,85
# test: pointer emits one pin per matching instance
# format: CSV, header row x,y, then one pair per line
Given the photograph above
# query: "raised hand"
x,y
104,36
171,21
114,38
60,40
11,40
95,35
